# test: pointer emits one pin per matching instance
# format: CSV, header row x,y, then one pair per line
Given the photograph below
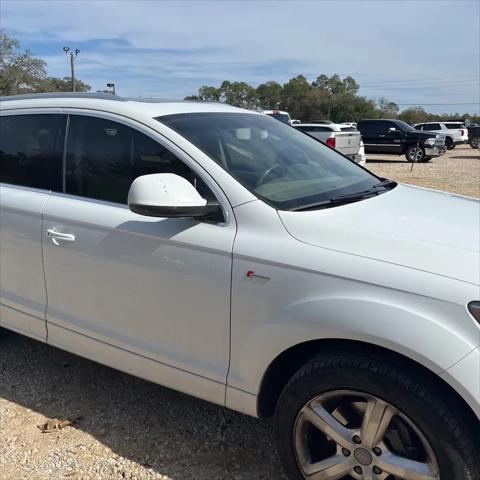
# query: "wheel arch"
x,y
288,362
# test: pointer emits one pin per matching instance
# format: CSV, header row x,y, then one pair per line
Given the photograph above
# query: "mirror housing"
x,y
167,195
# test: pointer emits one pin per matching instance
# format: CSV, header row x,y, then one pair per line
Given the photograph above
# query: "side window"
x,y
31,150
104,157
420,127
372,128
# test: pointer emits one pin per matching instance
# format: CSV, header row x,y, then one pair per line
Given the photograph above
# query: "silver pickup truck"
x,y
345,139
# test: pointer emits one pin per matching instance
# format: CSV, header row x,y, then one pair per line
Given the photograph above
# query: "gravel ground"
x,y
458,171
126,428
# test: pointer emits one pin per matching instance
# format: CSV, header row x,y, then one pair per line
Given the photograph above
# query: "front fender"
x,y
432,332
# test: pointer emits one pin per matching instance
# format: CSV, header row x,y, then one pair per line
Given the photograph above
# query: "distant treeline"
x,y
331,98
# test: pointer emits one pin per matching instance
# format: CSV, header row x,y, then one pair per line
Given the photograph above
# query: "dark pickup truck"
x,y
474,136
397,137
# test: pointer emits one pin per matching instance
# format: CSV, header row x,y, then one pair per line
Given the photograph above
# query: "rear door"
x,y
371,131
30,167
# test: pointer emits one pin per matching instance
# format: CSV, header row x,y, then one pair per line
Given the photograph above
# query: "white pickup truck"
x,y
346,139
455,132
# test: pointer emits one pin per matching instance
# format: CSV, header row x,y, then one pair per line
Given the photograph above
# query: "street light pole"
x,y
73,56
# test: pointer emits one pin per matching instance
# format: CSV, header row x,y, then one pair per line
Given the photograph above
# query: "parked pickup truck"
x,y
345,140
397,137
455,132
474,136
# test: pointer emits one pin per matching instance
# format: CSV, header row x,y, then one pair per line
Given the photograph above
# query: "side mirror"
x,y
167,195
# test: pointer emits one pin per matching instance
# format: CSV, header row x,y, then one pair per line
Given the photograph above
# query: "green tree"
x,y
294,96
238,94
387,109
19,69
55,84
335,85
269,95
413,115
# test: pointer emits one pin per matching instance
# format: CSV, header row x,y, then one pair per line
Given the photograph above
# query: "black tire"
x,y
449,143
415,153
435,413
474,142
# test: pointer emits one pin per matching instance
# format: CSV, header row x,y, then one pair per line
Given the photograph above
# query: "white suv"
x,y
227,255
455,132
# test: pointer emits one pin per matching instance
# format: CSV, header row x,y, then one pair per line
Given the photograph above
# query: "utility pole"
x,y
73,56
329,104
112,86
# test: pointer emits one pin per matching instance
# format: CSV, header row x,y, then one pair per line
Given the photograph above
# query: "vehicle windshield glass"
x,y
285,167
283,117
403,126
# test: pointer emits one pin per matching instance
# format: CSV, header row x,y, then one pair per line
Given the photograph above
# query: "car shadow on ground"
x,y
475,156
172,433
374,160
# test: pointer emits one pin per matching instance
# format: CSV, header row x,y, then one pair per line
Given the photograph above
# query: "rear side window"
x,y
454,125
314,129
373,127
31,150
104,157
432,126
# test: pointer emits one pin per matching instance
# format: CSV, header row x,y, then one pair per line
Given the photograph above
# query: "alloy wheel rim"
x,y
417,154
346,434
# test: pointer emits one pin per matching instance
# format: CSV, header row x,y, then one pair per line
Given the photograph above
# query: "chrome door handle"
x,y
58,236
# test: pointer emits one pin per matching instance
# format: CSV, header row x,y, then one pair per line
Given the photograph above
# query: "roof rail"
x,y
99,96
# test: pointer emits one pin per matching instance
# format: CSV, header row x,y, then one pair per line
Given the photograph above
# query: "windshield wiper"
x,y
351,197
386,183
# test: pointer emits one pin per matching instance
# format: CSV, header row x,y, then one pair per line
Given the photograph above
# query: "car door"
x,y
370,131
30,166
390,138
124,287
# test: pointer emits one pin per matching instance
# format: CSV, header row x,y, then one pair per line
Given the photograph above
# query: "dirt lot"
x,y
130,429
458,171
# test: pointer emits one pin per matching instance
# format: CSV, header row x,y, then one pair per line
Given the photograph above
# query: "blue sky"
x,y
410,51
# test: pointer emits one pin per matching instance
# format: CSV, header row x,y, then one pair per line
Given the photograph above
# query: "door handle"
x,y
381,135
58,236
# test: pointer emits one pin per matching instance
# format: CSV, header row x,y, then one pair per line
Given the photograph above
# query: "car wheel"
x,y
415,154
352,417
475,142
449,143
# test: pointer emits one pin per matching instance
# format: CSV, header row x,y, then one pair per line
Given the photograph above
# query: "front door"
x,y
157,288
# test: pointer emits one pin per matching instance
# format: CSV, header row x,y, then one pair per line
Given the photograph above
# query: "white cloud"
x,y
183,43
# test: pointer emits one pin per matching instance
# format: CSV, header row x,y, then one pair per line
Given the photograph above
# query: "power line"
x,y
431,104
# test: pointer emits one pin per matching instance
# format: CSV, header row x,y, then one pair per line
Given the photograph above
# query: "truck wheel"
x,y
449,143
415,153
474,142
352,416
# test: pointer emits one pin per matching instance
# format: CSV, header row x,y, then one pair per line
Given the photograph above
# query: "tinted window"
x,y
283,117
374,127
348,129
279,164
454,125
314,129
28,153
432,126
104,157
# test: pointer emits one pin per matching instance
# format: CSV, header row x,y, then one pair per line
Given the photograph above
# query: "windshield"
x,y
285,167
404,126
